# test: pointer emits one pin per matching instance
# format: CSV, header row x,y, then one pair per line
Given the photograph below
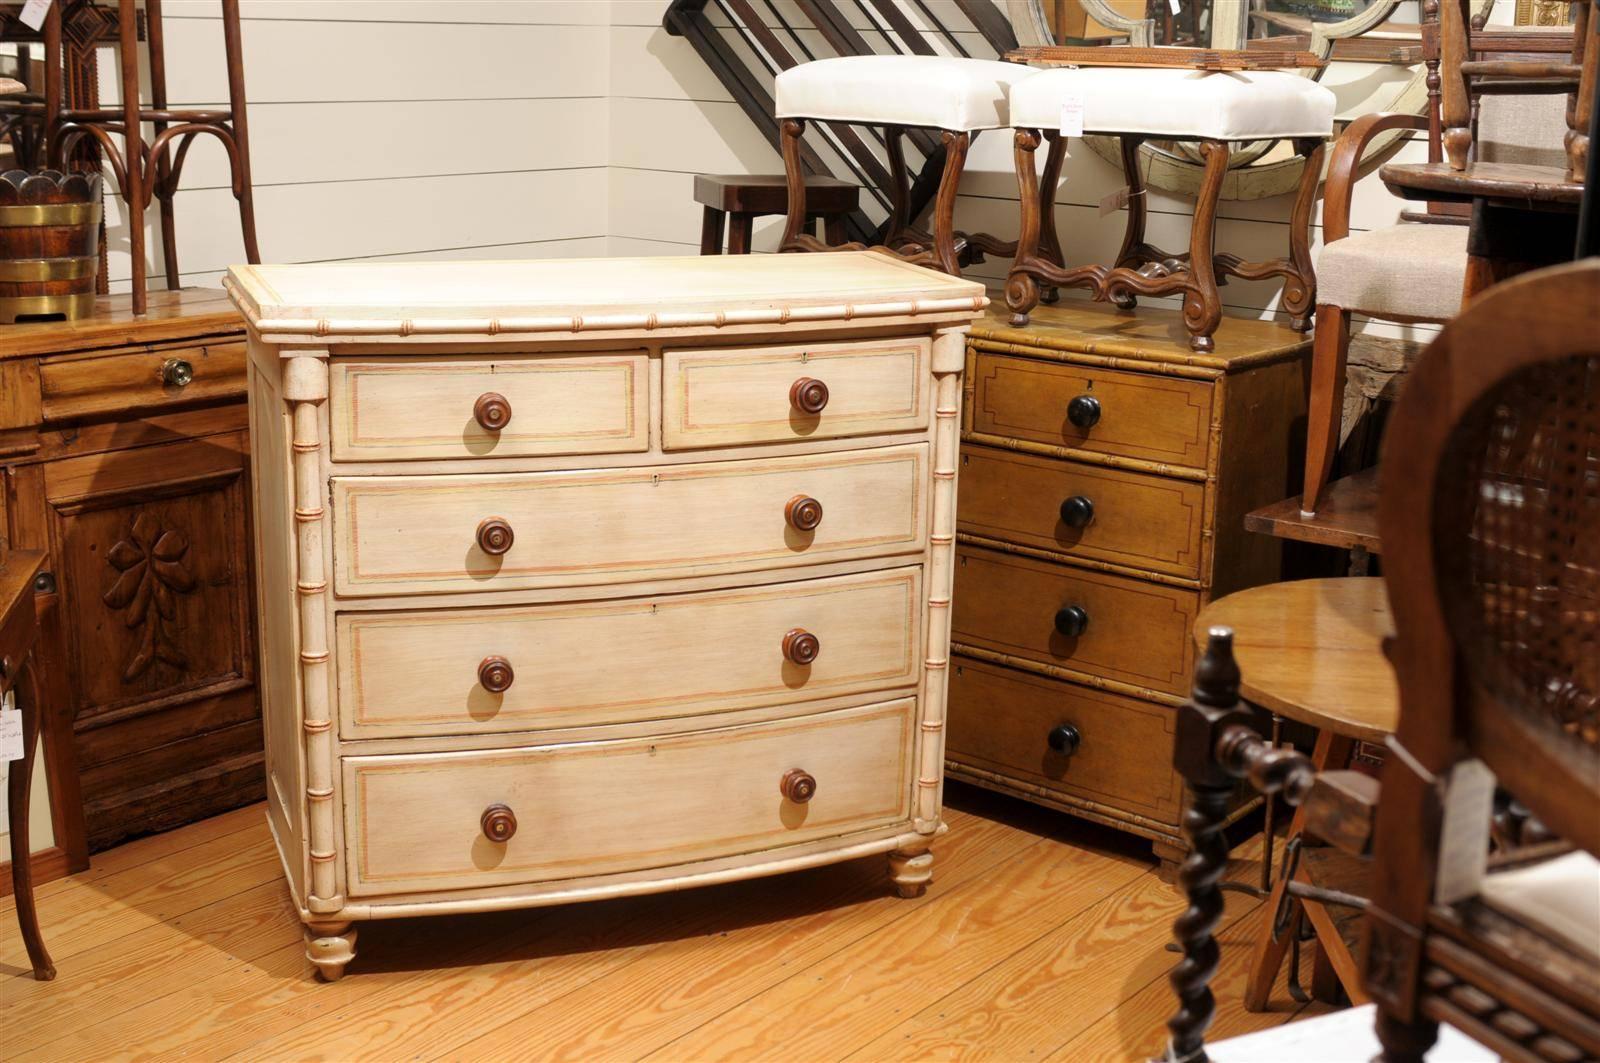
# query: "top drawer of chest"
x,y
1148,418
729,396
397,409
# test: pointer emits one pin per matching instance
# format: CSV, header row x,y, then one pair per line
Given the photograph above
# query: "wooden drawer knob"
x,y
1084,411
495,536
798,786
1077,511
1072,620
499,823
1064,739
495,674
492,411
803,513
801,646
808,395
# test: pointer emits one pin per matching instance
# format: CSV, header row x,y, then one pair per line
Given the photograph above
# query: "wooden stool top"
x,y
768,193
1312,650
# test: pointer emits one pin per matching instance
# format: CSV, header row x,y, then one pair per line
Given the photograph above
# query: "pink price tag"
x,y
1072,116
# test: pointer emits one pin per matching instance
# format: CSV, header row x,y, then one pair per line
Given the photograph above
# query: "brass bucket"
x,y
49,244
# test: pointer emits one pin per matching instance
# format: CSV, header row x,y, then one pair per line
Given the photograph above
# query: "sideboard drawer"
x,y
570,665
1159,419
737,395
386,409
1134,632
118,383
419,534
416,821
1001,721
1135,519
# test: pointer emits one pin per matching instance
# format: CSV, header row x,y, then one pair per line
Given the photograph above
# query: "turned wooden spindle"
x,y
495,674
492,411
495,536
803,513
801,646
808,395
499,823
797,786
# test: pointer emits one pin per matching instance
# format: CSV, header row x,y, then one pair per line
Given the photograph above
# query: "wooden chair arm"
x,y
1341,810
1342,166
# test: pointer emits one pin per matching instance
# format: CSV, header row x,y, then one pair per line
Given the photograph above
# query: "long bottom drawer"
x,y
440,821
1121,748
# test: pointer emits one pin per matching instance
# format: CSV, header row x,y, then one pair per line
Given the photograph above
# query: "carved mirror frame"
x,y
1251,175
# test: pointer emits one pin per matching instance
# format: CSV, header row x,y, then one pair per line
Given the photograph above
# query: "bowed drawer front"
x,y
418,822
399,535
403,408
541,666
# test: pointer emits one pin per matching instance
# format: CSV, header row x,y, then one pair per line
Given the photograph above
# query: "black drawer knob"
x,y
1077,511
1072,620
1064,739
1084,411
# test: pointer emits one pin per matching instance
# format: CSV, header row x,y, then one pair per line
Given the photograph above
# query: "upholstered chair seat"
x,y
938,92
1407,272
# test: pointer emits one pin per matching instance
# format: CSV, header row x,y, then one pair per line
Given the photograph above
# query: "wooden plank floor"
x,y
1041,939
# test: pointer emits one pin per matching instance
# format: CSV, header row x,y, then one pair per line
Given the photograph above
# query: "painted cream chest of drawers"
x,y
588,578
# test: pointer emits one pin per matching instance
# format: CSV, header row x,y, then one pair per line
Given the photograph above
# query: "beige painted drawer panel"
x,y
413,822
743,394
617,662
417,534
399,409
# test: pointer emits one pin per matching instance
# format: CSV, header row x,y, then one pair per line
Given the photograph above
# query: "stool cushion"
x,y
1407,272
1183,104
910,90
1560,897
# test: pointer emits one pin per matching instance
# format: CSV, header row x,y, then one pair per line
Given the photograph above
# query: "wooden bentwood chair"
x,y
1489,500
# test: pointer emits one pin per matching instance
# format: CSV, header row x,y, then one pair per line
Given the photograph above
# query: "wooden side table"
x,y
19,630
747,197
1312,651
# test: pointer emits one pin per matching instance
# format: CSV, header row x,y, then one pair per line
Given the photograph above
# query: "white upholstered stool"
x,y
1137,104
957,97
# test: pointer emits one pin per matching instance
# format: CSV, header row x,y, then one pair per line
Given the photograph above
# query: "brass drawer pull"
x,y
808,395
492,411
801,646
495,536
495,674
803,513
499,823
177,372
798,786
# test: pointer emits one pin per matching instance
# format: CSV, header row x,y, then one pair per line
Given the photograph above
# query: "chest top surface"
x,y
402,299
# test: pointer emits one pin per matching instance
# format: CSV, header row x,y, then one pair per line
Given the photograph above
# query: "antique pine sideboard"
x,y
124,456
598,577
1105,473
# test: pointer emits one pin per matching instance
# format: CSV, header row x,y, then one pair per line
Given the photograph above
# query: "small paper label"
x,y
10,734
1115,201
1176,6
1072,116
33,13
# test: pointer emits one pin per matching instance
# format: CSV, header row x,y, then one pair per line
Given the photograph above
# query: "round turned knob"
x,y
1064,739
176,373
1072,620
798,786
495,674
803,513
808,395
492,411
495,536
801,646
1077,511
499,823
1084,411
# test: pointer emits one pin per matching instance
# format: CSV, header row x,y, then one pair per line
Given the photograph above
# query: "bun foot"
x,y
911,871
330,947
1301,323
1049,296
1125,301
1202,344
1019,320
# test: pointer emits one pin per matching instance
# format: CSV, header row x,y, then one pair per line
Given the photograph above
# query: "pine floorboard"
x,y
1041,938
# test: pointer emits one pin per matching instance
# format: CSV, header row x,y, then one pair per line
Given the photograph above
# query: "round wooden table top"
x,y
1312,650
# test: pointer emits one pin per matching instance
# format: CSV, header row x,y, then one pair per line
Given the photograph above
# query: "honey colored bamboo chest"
x,y
589,578
1105,473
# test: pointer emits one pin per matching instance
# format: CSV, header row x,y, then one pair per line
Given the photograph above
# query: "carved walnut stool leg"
x,y
1202,306
1300,286
911,870
944,208
1049,241
899,185
1022,291
795,175
1132,254
330,947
